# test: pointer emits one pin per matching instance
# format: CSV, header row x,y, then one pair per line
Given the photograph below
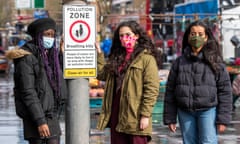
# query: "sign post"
x,y
79,36
79,64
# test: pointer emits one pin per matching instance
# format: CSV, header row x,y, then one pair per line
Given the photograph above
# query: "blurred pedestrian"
x,y
39,88
21,42
132,85
106,45
236,89
198,88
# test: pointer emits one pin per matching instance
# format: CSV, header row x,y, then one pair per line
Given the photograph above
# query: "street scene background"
x,y
11,128
164,21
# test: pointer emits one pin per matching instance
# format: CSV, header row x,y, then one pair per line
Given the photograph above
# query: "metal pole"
x,y
221,40
77,110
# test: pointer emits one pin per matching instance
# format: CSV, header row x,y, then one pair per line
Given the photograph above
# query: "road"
x,y
11,129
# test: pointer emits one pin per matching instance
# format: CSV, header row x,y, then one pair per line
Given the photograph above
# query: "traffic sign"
x,y
79,28
79,31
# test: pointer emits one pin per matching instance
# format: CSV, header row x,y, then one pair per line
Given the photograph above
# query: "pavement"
x,y
11,129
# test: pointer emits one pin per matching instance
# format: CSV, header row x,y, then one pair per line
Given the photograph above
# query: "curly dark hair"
x,y
211,49
118,53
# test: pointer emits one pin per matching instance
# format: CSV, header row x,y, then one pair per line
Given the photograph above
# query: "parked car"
x,y
3,61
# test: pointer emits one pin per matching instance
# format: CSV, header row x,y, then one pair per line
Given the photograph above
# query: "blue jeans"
x,y
198,127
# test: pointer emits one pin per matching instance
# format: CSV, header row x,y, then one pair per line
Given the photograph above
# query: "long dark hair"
x,y
118,53
211,49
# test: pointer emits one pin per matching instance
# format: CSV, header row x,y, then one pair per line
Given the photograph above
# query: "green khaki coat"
x,y
139,92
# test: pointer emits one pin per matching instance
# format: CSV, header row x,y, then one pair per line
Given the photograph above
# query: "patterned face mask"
x,y
196,41
48,42
128,42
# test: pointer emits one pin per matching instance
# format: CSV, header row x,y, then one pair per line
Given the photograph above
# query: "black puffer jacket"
x,y
34,98
193,86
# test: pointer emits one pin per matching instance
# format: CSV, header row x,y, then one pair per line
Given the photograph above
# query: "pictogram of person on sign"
x,y
79,32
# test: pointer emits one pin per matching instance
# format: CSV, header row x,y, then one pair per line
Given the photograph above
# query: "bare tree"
x,y
6,12
104,8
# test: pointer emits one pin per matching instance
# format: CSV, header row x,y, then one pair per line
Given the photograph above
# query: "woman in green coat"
x,y
132,85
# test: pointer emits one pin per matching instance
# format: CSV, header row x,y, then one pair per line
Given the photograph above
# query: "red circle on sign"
x,y
88,30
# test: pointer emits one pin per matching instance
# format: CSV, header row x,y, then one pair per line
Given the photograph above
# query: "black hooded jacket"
x,y
34,96
193,86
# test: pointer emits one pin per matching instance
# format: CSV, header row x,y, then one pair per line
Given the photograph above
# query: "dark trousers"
x,y
52,140
122,138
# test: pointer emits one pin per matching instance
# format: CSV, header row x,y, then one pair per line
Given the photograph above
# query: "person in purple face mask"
x,y
132,85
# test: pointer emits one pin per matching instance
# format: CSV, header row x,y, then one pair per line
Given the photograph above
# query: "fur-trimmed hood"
x,y
16,53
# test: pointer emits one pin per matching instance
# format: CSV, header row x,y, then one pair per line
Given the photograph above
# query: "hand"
x,y
44,130
62,46
97,45
172,127
62,43
221,128
144,122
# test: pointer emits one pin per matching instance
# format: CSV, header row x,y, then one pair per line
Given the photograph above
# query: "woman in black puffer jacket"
x,y
39,85
198,88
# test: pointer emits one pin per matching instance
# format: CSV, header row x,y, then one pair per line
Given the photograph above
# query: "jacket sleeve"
x,y
25,82
101,74
150,87
170,106
224,90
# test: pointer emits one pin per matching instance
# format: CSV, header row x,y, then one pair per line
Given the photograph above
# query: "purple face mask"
x,y
128,42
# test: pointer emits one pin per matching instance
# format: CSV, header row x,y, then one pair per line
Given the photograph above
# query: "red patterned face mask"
x,y
128,42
